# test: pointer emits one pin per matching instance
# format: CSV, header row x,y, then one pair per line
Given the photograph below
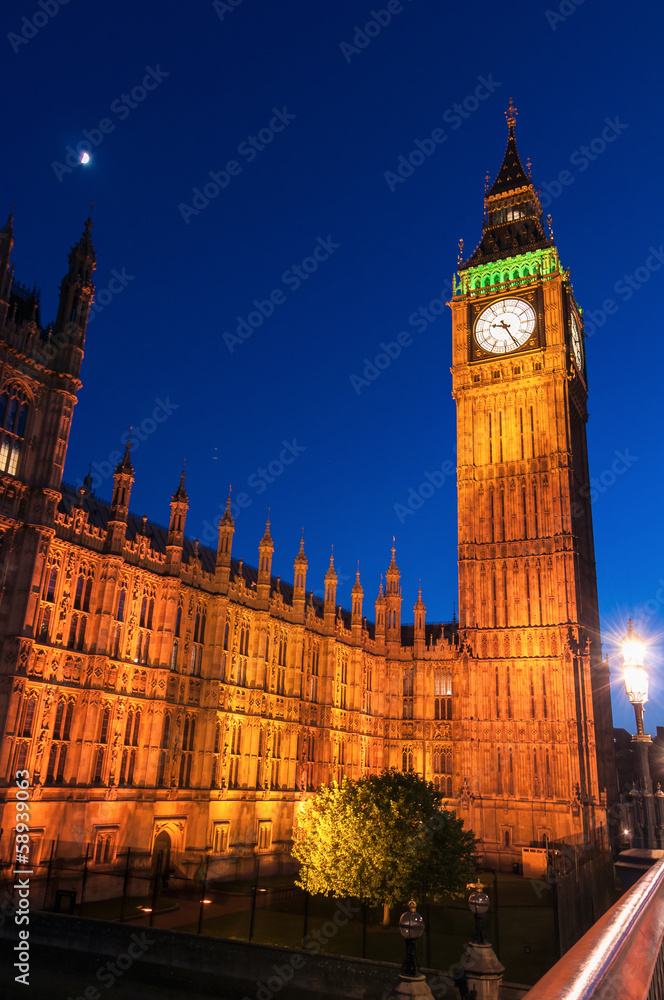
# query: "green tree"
x,y
384,839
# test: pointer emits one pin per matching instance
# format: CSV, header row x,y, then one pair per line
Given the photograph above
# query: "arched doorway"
x,y
161,855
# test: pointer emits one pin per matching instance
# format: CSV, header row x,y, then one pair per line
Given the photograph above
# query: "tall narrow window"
x,y
13,416
490,442
545,707
532,431
521,430
78,598
524,505
103,729
52,580
28,716
500,434
121,605
69,715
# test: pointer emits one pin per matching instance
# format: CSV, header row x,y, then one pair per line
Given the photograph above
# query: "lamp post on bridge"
x,y
635,676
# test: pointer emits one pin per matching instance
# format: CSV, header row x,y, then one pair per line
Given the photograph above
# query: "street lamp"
x,y
635,676
478,901
411,927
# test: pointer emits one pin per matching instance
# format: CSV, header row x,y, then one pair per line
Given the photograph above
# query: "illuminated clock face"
x,y
505,326
576,344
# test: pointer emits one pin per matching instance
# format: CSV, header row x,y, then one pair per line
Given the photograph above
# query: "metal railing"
x,y
621,956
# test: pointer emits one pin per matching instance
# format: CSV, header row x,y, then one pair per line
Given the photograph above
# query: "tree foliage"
x,y
384,838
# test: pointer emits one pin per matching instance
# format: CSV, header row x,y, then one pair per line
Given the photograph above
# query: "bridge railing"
x,y
621,956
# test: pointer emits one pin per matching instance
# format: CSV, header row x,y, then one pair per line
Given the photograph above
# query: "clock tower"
x,y
537,689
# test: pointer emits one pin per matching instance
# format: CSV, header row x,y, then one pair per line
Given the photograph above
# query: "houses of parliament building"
x,y
161,694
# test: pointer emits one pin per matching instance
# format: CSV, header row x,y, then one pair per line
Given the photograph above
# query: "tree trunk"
x,y
386,915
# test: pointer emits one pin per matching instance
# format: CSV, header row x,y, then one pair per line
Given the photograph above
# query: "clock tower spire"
x,y
527,583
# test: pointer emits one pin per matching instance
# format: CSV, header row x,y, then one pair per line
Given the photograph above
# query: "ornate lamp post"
x,y
636,685
411,927
478,901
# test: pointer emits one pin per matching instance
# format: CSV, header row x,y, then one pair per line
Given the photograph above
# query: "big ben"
x,y
536,688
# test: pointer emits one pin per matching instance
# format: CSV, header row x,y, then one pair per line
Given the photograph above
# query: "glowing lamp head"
x,y
634,671
478,901
411,924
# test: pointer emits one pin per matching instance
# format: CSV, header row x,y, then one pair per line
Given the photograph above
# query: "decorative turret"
x,y
393,599
380,613
420,635
330,593
265,552
76,293
225,545
123,479
175,540
357,595
300,579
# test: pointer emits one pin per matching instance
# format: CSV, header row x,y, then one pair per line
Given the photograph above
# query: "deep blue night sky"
x,y
349,106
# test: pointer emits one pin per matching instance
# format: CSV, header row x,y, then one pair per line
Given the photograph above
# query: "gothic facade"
x,y
160,693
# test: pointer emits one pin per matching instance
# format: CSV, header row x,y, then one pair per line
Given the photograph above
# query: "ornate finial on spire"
x,y
529,168
267,538
511,114
487,178
460,254
357,586
124,465
549,222
301,557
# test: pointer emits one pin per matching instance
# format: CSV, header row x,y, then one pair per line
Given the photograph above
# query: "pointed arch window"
x,y
121,604
14,406
88,594
78,598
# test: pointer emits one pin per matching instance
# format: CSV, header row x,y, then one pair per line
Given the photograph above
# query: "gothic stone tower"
x,y
536,690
